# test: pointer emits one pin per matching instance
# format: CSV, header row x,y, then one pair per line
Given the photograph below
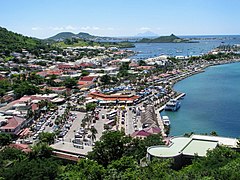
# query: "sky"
x,y
45,18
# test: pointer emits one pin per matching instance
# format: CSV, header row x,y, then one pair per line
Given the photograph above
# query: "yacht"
x,y
172,105
166,120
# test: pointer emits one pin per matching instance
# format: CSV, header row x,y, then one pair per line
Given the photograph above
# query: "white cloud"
x,y
95,28
85,28
69,27
159,28
89,28
56,28
110,28
35,28
144,28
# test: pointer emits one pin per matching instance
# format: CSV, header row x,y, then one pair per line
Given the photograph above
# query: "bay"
x,y
212,102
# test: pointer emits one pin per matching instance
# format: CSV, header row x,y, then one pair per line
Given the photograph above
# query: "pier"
x,y
160,122
180,96
159,118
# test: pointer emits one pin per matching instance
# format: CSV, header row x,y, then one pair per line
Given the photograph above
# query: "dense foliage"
x,y
10,42
5,139
116,156
73,42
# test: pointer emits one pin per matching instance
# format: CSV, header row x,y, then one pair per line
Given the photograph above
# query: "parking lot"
x,y
122,118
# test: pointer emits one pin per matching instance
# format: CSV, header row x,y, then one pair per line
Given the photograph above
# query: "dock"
x,y
180,96
159,118
160,122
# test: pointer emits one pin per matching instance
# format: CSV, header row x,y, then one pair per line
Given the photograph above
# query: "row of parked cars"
x,y
65,128
81,136
44,121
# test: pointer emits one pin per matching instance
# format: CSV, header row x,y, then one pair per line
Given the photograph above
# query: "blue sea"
x,y
212,102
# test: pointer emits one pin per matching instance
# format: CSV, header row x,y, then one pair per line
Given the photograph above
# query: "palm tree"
x,y
84,123
93,131
30,113
87,119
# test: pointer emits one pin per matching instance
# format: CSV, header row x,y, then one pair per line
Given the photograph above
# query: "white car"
x,y
77,135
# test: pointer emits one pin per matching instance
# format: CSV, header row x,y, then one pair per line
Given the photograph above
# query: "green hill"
x,y
63,35
10,41
164,39
84,35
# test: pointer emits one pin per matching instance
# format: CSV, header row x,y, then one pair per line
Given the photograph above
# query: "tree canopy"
x,y
46,137
5,139
117,156
25,88
70,82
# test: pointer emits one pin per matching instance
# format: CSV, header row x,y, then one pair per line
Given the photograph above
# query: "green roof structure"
x,y
190,146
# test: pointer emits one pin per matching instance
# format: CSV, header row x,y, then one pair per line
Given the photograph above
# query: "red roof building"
x,y
145,67
146,132
23,147
56,72
86,80
13,125
153,130
86,64
34,107
140,134
58,90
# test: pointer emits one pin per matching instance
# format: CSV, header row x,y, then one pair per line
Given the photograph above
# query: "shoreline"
x,y
182,94
202,70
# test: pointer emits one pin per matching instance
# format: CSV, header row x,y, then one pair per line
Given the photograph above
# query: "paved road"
x,y
132,121
75,126
99,125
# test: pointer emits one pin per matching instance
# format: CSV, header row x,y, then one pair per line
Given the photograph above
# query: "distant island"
x,y
165,39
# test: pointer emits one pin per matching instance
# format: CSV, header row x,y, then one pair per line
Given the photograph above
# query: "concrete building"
x,y
181,149
13,125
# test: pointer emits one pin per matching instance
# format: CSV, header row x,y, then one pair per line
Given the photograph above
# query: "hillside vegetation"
x,y
116,156
13,42
70,35
77,42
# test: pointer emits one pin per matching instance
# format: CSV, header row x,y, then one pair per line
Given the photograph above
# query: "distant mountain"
x,y
69,35
84,35
164,39
147,34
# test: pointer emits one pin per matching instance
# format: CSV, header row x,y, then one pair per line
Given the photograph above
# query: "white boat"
x,y
166,120
172,105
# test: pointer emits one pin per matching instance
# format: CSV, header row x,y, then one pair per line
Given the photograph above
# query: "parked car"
x,y
103,116
61,135
77,135
77,141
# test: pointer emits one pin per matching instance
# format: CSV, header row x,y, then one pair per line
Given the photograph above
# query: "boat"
x,y
172,105
166,120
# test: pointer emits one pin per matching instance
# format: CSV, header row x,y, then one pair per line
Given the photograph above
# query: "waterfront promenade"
x,y
160,123
159,118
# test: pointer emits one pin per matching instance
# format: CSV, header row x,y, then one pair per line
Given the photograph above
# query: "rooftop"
x,y
13,122
190,146
67,147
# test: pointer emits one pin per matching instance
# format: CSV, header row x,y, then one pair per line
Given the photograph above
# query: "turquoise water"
x,y
212,102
